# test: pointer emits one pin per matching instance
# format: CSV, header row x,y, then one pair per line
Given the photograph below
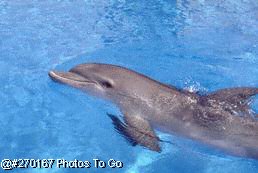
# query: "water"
x,y
200,45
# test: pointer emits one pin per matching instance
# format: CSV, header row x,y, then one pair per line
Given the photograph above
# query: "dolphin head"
x,y
105,80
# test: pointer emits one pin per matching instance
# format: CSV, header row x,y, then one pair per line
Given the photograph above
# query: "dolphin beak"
x,y
70,78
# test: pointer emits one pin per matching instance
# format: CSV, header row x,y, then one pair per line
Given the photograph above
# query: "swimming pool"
x,y
199,45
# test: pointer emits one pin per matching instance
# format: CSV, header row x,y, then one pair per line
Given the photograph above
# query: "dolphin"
x,y
221,119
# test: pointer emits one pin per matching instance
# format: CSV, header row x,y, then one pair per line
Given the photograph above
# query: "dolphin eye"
x,y
106,84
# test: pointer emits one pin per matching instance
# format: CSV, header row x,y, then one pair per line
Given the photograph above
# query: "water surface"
x,y
199,45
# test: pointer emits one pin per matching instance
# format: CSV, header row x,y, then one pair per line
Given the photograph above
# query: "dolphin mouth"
x,y
69,78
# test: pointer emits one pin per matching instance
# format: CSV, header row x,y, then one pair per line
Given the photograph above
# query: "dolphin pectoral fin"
x,y
121,128
137,131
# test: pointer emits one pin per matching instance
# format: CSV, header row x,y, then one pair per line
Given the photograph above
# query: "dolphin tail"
x,y
137,131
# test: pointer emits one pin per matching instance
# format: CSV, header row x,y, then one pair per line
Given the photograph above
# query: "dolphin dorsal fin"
x,y
234,95
239,98
137,131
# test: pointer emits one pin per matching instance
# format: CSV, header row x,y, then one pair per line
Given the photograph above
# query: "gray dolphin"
x,y
221,119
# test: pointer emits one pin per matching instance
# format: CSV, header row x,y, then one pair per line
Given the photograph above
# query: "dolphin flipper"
x,y
137,131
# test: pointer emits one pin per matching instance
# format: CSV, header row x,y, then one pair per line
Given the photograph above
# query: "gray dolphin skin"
x,y
221,119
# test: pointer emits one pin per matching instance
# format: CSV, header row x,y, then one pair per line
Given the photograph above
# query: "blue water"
x,y
198,45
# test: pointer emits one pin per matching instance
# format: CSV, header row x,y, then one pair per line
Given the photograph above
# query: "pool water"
x,y
201,45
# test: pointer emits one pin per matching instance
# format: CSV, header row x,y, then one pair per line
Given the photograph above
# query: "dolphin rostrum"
x,y
221,119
